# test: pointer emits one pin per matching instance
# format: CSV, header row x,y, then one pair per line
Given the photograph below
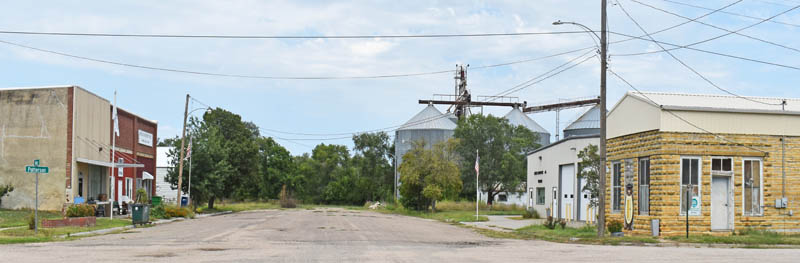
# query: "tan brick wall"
x,y
665,150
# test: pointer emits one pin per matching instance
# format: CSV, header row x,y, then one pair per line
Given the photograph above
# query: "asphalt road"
x,y
335,235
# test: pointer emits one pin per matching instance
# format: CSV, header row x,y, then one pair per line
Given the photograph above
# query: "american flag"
x,y
477,163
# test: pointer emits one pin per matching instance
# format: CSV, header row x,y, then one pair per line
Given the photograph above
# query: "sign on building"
x,y
145,138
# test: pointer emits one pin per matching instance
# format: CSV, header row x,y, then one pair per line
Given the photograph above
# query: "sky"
x,y
354,105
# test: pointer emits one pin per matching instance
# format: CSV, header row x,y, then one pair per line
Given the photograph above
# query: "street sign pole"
x,y
37,170
36,209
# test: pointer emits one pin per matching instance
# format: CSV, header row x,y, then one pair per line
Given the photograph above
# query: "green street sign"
x,y
37,170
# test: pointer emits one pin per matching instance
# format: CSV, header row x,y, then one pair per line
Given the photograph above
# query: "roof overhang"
x,y
147,176
109,164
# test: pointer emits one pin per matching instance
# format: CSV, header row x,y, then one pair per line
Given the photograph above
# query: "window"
x,y
753,196
690,179
129,187
502,198
616,184
644,186
540,195
721,166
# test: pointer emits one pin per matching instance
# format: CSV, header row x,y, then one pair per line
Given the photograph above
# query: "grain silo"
x,y
517,118
429,125
586,124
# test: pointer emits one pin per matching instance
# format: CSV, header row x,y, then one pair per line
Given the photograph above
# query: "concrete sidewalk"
x,y
506,224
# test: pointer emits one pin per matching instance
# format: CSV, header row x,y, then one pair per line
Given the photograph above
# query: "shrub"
x,y
286,200
171,211
5,189
550,223
80,210
563,223
141,196
31,221
614,226
531,213
159,212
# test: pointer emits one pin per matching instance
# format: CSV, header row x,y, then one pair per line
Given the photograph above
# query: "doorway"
x,y
721,203
566,183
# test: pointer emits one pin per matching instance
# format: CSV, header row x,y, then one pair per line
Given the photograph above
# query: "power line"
x,y
713,38
518,87
708,52
681,118
173,70
720,28
730,13
682,23
52,33
683,63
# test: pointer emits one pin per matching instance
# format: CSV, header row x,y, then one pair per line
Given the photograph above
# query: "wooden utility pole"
x,y
601,217
183,140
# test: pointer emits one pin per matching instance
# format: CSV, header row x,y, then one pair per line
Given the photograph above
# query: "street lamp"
x,y
585,29
603,67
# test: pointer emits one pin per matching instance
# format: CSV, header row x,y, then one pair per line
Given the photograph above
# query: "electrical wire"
x,y
52,33
518,87
709,52
713,38
686,65
730,13
720,28
713,11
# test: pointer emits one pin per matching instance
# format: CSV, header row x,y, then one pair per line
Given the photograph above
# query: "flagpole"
x,y
113,150
477,188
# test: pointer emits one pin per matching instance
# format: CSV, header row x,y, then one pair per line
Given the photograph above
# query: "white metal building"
x,y
553,183
164,188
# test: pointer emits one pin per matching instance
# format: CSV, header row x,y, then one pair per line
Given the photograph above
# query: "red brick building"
x,y
136,144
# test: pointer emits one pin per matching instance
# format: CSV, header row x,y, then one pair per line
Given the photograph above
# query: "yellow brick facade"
x,y
665,150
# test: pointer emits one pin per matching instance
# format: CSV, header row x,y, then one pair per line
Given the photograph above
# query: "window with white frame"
x,y
616,187
129,187
721,166
753,194
690,179
644,186
540,195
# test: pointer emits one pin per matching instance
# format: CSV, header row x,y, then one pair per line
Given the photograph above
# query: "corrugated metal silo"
x,y
587,124
518,118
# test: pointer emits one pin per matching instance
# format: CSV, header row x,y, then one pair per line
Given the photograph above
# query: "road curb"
x,y
157,222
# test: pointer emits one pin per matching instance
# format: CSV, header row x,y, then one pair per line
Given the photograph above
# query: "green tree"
x,y
329,163
428,175
276,169
502,147
589,169
4,190
373,156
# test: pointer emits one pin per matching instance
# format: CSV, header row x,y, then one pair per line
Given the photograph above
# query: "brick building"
x,y
68,129
727,151
136,144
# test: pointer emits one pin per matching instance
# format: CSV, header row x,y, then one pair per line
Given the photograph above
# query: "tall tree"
x,y
276,169
428,175
589,169
502,147
373,159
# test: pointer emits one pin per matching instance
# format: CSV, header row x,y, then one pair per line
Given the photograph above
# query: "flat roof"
x,y
564,140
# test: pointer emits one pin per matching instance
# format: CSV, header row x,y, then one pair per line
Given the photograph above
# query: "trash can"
x,y
654,226
141,214
156,201
184,201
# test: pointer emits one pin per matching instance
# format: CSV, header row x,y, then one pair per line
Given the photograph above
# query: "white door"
x,y
567,195
720,203
119,190
584,202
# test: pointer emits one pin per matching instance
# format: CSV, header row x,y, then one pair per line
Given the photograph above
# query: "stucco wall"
x,y
33,125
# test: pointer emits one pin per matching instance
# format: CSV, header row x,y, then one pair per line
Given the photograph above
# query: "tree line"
x,y
232,160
